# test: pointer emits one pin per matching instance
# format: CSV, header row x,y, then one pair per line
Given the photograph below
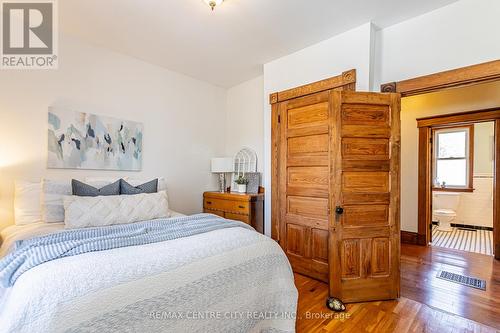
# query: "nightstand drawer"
x,y
241,207
238,217
215,212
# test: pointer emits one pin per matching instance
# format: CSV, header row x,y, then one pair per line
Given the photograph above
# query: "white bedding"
x,y
227,280
13,233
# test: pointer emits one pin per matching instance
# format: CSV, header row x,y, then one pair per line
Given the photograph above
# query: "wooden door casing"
x,y
364,238
304,182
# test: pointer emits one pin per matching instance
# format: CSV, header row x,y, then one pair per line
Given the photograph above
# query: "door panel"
x,y
365,182
381,252
305,182
308,181
308,207
350,253
319,238
296,235
308,144
365,149
360,215
309,115
364,261
365,114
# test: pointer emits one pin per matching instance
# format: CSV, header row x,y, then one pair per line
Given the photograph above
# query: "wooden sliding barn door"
x,y
364,237
304,182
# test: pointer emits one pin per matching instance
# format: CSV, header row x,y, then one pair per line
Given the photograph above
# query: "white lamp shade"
x,y
222,164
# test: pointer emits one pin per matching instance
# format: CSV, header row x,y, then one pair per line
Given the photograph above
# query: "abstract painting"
x,y
78,140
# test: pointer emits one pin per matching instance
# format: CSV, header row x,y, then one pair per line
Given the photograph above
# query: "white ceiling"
x,y
229,45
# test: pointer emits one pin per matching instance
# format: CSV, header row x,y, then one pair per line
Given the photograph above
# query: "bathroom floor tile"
x,y
478,241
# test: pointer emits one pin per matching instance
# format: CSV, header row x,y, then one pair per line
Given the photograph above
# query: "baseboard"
x,y
468,226
410,237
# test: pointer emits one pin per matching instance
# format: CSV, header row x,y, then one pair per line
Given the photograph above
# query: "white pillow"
x,y
83,212
27,202
52,199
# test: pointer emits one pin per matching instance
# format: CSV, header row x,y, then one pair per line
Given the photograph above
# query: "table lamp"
x,y
222,165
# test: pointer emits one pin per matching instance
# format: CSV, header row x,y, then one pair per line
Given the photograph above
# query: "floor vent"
x,y
462,279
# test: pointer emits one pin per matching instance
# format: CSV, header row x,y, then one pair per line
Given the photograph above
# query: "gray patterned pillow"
x,y
149,187
85,190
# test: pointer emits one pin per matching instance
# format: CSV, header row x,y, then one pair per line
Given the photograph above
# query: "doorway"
x,y
462,165
421,203
449,188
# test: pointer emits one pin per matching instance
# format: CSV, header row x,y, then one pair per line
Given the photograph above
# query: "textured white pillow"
x,y
83,212
52,199
27,202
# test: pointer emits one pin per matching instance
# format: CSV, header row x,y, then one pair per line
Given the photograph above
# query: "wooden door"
x,y
304,182
364,238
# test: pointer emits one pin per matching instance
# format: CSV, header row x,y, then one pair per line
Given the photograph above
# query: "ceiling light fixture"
x,y
213,3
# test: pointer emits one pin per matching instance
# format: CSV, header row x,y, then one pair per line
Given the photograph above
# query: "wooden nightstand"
x,y
248,208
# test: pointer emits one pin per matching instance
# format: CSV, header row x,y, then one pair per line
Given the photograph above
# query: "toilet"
x,y
445,205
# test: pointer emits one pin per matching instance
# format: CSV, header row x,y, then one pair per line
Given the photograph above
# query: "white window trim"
x,y
467,156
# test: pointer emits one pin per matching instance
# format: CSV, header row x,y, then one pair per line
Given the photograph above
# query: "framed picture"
x,y
78,140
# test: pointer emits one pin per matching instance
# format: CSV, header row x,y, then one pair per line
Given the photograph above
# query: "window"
x,y
453,158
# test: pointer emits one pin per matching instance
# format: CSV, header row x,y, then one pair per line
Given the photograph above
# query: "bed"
x,y
13,233
229,279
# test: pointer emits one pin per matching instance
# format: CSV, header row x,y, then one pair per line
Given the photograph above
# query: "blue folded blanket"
x,y
33,252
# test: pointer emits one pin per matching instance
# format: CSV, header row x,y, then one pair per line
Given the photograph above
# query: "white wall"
x,y
460,34
329,58
244,119
449,101
484,161
183,120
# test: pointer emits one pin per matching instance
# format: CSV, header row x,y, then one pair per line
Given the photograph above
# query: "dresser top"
x,y
234,196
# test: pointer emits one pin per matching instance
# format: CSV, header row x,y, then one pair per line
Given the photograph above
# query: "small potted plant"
x,y
241,184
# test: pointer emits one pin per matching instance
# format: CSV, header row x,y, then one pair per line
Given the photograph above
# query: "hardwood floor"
x,y
427,303
419,266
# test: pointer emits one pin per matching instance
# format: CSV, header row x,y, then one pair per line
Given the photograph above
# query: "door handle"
x,y
339,210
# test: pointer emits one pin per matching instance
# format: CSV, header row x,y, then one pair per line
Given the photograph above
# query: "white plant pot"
x,y
241,188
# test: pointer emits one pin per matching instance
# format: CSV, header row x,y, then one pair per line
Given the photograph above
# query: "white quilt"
x,y
228,280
